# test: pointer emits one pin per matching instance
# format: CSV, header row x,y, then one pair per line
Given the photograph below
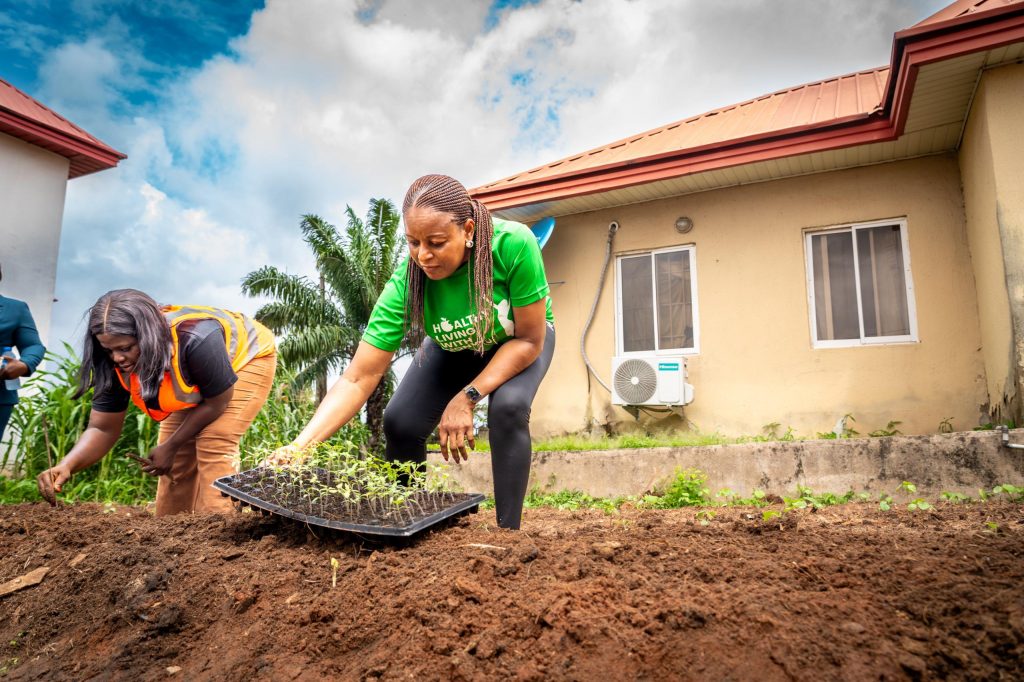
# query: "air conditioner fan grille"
x,y
635,381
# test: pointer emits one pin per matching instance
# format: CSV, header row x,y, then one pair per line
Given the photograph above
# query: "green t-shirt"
x,y
448,314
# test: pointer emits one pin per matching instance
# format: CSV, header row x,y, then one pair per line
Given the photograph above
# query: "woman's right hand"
x,y
51,481
285,455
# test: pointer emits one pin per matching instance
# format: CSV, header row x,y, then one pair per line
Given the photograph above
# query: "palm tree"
x,y
323,321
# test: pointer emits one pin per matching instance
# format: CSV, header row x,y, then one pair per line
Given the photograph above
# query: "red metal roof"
x,y
26,119
844,98
864,107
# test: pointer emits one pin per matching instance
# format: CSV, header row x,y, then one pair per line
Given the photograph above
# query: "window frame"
x,y
908,282
691,250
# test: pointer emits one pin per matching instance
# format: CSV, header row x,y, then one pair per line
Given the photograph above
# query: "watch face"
x,y
473,394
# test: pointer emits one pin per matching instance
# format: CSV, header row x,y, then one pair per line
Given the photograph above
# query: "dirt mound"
x,y
844,593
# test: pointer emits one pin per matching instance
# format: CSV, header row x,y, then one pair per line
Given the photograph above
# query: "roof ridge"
x,y
72,129
635,137
29,120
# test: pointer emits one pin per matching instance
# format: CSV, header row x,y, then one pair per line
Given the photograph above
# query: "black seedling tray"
x,y
469,503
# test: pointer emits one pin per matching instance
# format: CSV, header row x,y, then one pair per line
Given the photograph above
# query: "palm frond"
x,y
322,321
310,344
309,374
298,293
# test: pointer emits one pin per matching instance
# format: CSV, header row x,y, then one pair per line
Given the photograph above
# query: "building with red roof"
x,y
40,151
853,246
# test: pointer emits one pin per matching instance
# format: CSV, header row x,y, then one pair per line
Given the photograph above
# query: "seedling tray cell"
x,y
249,488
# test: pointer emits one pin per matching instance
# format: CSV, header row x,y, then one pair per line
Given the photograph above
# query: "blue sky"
x,y
167,37
239,117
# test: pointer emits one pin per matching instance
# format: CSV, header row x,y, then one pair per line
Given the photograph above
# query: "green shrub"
x,y
687,489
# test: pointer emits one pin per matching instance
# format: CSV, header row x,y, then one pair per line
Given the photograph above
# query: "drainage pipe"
x,y
613,227
1005,430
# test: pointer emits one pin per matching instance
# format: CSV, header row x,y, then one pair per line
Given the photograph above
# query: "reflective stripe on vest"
x,y
245,339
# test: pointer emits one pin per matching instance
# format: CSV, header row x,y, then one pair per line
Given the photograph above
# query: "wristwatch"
x,y
473,394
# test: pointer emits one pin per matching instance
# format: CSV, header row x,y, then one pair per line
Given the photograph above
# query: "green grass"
x,y
573,443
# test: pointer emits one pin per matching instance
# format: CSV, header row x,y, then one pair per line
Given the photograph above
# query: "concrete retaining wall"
x,y
956,462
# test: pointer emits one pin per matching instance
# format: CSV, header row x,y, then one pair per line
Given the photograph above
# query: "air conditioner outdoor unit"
x,y
650,380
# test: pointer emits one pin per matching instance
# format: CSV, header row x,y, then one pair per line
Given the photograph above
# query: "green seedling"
x,y
338,481
794,503
7,666
768,515
808,498
954,498
1011,491
991,527
686,489
705,516
756,499
572,500
845,432
918,504
889,430
885,501
909,487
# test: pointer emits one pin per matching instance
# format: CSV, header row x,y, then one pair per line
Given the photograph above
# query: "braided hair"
x,y
447,195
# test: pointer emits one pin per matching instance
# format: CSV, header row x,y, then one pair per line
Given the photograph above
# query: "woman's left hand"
x,y
456,428
159,461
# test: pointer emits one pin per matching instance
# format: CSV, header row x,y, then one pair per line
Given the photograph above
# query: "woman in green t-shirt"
x,y
461,262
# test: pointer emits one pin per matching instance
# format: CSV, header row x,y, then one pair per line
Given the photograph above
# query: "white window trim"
x,y
691,249
908,280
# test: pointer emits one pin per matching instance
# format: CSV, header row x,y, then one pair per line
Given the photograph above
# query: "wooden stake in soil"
x,y
46,438
21,582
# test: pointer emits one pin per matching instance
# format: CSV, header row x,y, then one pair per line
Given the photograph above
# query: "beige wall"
x,y
756,364
32,186
992,166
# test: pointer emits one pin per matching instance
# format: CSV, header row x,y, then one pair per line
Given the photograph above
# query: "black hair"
x,y
447,195
126,312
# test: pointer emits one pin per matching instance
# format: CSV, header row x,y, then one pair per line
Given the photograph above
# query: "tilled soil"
x,y
843,593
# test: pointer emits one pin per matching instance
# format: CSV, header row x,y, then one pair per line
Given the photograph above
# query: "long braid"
x,y
482,273
447,195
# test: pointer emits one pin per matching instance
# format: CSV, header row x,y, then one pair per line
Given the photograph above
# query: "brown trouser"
x,y
213,452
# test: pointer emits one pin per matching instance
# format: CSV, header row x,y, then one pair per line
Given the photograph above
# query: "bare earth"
x,y
843,593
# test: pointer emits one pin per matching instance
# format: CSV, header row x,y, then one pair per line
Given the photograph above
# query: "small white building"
x,y
39,152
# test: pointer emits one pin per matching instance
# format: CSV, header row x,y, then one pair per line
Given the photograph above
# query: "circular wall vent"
x,y
635,381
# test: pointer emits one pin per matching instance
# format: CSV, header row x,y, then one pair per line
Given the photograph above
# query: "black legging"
x,y
433,379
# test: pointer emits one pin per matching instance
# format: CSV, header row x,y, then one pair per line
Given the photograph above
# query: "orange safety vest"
x,y
245,339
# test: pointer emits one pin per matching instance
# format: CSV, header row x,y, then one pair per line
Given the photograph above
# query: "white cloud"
x,y
325,103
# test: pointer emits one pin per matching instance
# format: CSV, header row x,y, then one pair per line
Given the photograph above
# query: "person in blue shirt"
x,y
17,330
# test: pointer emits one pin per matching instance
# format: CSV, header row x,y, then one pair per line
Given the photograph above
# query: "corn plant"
x,y
48,422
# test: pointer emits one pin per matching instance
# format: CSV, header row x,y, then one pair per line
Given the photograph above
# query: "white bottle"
x,y
15,383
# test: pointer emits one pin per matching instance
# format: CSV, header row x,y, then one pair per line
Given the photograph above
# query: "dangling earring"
x,y
469,243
